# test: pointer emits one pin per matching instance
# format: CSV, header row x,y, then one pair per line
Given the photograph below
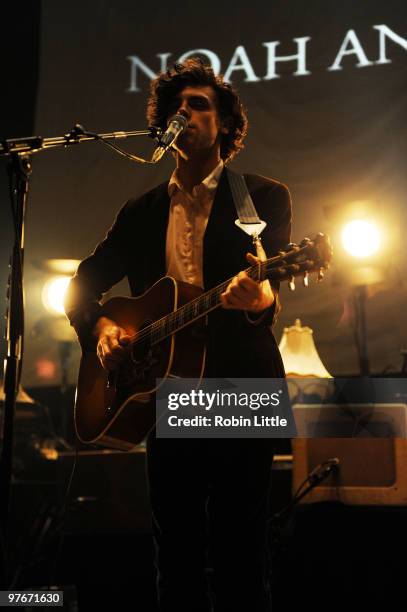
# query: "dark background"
x,y
335,137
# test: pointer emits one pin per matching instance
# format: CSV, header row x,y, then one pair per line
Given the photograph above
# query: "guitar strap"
x,y
248,220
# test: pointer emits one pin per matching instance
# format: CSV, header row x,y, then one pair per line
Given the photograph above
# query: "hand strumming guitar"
x,y
244,293
112,343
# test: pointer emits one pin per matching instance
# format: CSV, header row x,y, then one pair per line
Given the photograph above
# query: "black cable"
x,y
31,540
53,430
280,522
50,513
129,156
62,519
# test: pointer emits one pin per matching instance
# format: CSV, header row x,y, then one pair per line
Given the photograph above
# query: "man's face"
x,y
199,106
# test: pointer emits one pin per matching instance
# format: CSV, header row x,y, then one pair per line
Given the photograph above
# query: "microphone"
x,y
176,125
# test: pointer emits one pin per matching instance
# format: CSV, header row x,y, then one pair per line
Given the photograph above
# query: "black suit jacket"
x,y
135,247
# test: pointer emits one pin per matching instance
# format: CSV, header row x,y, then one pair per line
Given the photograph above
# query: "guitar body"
x,y
167,325
117,410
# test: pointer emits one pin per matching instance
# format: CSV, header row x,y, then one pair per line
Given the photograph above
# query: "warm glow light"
x,y
45,369
53,294
361,238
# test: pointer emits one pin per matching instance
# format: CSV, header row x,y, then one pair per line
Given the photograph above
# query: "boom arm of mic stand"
x,y
35,144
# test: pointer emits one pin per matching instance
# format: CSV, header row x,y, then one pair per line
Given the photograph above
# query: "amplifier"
x,y
108,493
372,465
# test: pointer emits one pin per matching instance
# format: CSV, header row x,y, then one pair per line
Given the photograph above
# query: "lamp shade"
x,y
299,354
22,396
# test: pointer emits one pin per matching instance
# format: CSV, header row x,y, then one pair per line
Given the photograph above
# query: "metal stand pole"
x,y
20,170
360,297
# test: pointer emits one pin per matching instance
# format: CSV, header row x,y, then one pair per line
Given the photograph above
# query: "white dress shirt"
x,y
189,214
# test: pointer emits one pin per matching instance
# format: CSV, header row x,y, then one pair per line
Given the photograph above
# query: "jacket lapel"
x,y
156,240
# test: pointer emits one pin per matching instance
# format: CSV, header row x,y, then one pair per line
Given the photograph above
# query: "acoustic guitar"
x,y
166,325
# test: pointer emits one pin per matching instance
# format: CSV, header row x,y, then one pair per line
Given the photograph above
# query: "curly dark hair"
x,y
193,72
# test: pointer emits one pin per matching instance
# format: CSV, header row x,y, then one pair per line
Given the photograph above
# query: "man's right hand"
x,y
112,343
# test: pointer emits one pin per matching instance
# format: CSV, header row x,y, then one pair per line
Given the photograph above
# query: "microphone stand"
x,y
20,151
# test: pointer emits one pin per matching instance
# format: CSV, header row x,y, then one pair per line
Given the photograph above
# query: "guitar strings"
x,y
193,307
194,304
158,328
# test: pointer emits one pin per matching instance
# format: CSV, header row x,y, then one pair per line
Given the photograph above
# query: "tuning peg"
x,y
305,279
320,275
304,242
291,284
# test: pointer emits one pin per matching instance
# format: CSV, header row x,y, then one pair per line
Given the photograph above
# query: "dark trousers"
x,y
209,504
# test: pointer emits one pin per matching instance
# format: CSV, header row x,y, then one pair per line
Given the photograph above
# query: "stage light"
x,y
361,238
53,294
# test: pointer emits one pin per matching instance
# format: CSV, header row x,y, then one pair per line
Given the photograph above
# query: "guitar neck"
x,y
309,256
205,303
187,314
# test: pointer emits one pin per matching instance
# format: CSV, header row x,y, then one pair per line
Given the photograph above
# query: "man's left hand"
x,y
243,293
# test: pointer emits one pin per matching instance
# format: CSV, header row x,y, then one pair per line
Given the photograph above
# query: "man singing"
x,y
208,496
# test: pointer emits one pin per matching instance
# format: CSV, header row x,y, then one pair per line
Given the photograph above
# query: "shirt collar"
x,y
209,184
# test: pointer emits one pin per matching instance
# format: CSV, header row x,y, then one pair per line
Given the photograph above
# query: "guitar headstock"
x,y
311,255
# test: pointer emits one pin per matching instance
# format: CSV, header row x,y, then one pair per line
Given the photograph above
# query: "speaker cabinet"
x,y
108,493
371,471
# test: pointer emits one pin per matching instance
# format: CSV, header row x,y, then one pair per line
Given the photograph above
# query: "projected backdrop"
x,y
325,88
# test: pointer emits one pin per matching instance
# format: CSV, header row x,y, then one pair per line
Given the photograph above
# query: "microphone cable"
x,y
280,520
